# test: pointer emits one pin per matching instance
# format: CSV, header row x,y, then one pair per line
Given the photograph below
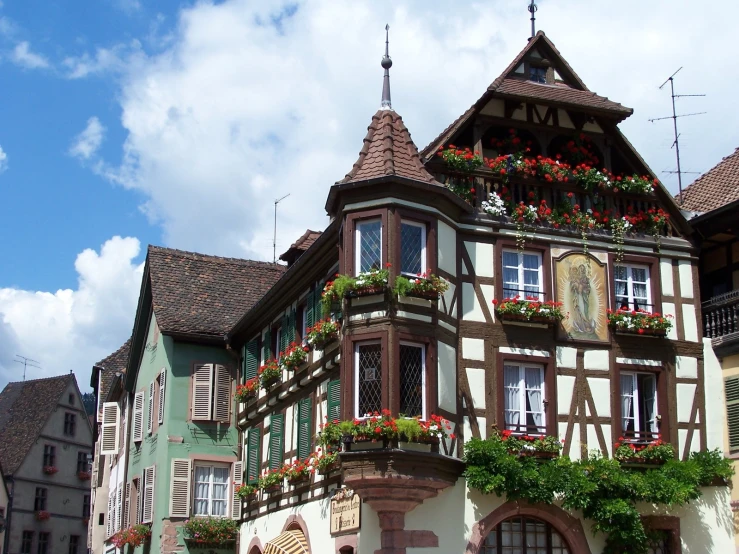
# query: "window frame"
x,y
663,419
82,459
26,542
348,265
522,367
654,288
531,247
424,246
522,273
355,372
549,396
650,305
358,243
670,525
421,219
49,456
637,396
76,549
229,491
424,376
70,424
521,519
46,536
40,499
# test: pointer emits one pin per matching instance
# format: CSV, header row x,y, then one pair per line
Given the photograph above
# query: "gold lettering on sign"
x,y
345,513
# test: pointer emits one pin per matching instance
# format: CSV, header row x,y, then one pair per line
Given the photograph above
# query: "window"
x,y
523,392
412,380
49,455
70,399
368,246
639,405
70,424
631,283
276,440
26,542
74,544
43,543
522,275
538,74
211,490
147,500
39,502
333,401
211,393
412,247
368,378
82,465
524,535
659,542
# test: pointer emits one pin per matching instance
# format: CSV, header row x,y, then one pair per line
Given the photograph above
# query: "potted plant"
x,y
83,475
211,532
50,470
370,282
271,480
325,462
42,515
524,445
293,356
247,391
246,491
462,161
638,322
655,452
297,472
322,333
134,536
424,285
329,437
374,431
530,310
269,374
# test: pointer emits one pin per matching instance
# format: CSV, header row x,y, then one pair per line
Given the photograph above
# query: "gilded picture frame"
x,y
581,285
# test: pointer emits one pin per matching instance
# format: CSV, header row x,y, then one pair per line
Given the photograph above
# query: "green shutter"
x,y
333,400
305,413
276,438
253,442
293,324
283,333
317,305
251,359
732,411
267,347
309,319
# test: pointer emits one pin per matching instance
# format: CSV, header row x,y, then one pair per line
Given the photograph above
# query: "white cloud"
x,y
72,329
23,56
87,143
104,60
3,160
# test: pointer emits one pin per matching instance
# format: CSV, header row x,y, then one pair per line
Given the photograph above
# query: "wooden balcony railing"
x,y
721,315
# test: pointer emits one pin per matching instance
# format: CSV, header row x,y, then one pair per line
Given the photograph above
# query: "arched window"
x,y
524,535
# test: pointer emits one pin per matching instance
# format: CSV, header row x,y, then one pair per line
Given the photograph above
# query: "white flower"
x,y
494,205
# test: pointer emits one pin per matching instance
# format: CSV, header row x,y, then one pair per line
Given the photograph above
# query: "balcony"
x,y
721,322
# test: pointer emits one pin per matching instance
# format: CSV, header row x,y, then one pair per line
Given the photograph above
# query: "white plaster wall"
x,y
685,274
524,352
447,255
471,309
565,387
473,349
715,399
601,391
494,107
596,359
685,397
566,357
476,379
687,367
448,298
488,293
668,309
690,323
482,424
447,377
482,257
665,273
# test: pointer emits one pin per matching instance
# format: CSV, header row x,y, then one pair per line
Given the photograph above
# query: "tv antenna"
x,y
674,116
533,8
27,362
274,236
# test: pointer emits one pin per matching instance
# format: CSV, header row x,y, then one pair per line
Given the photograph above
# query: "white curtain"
x,y
531,283
220,488
534,385
202,490
649,384
510,274
627,401
512,396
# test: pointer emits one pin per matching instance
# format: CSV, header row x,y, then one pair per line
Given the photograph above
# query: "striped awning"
x,y
289,542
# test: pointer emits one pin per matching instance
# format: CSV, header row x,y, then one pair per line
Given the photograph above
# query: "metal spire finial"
x,y
532,10
386,63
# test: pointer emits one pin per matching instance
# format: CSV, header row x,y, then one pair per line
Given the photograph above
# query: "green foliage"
x,y
410,429
212,530
601,488
425,283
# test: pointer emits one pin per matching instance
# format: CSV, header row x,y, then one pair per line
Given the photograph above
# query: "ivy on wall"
x,y
604,490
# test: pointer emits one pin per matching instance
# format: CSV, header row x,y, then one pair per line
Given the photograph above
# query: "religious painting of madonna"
x,y
582,288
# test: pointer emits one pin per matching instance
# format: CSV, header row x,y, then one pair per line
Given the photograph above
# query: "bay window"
x,y
523,275
524,397
367,378
412,380
639,418
632,286
412,247
211,490
368,247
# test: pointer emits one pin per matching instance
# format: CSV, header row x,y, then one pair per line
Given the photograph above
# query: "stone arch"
x,y
255,546
566,525
296,521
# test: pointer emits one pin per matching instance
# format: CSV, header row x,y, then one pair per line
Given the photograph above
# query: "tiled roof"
x,y
196,293
560,94
301,245
715,188
24,409
388,150
114,363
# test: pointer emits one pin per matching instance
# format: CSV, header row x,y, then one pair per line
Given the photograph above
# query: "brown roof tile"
x,y
24,409
196,293
116,362
388,150
560,94
715,188
299,246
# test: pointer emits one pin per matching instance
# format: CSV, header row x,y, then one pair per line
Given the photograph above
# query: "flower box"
x,y
271,382
538,454
639,322
368,445
366,291
426,295
523,320
272,489
50,470
299,480
329,468
42,515
83,475
197,544
415,446
658,333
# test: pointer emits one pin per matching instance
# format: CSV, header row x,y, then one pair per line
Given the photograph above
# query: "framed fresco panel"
x,y
581,284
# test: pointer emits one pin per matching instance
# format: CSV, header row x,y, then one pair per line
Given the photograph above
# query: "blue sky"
x,y
130,122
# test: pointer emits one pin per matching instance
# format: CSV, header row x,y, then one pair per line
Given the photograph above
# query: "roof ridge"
x,y
213,257
62,376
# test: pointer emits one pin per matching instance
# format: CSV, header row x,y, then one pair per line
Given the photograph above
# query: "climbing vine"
x,y
601,488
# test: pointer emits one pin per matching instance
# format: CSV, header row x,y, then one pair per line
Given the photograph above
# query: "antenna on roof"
x,y
386,63
674,116
274,236
533,8
27,362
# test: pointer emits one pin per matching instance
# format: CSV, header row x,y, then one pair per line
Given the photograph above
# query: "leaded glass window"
x,y
412,365
368,378
631,283
524,535
412,248
369,245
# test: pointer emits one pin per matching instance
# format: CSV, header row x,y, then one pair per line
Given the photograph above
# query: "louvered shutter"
x,y
127,506
283,333
732,411
238,480
267,348
293,325
162,382
276,431
138,416
305,413
179,489
150,410
136,500
251,360
222,397
309,319
119,509
109,516
333,400
202,392
253,445
317,305
109,428
147,512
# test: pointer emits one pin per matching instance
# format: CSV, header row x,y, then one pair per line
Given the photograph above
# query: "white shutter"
x,y
238,479
179,492
127,506
108,515
150,410
147,514
202,392
138,417
109,431
118,508
137,496
162,378
221,405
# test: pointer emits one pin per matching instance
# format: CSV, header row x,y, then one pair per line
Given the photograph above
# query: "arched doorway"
x,y
524,535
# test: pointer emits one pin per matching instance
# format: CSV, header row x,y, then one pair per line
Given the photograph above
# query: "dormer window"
x,y
368,245
538,74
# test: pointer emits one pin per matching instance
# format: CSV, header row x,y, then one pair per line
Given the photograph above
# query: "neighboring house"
x,y
4,505
180,379
580,382
108,472
713,200
46,442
